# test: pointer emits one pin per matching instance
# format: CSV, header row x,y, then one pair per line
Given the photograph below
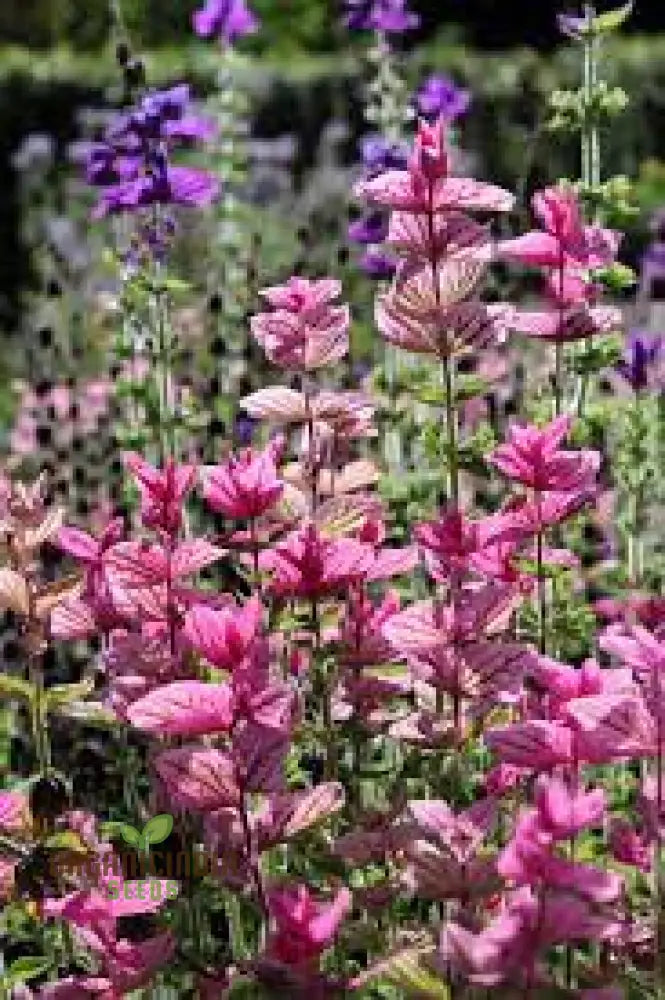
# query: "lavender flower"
x,y
642,353
440,97
388,16
227,20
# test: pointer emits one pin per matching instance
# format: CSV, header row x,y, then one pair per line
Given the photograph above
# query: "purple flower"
x,y
159,115
132,165
187,186
379,154
440,97
228,20
191,128
378,264
368,229
389,16
104,166
571,25
641,355
243,429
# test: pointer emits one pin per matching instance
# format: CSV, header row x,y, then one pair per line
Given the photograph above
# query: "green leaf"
x,y
63,694
110,829
407,971
611,20
66,840
176,286
158,828
131,835
16,687
617,277
24,969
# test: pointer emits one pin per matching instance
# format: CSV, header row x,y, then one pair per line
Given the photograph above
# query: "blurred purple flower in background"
x,y
372,228
243,429
641,357
379,154
378,264
227,20
571,25
440,97
389,16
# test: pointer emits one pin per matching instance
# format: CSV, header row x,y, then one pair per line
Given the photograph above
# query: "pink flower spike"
x,y
429,160
532,456
163,492
246,486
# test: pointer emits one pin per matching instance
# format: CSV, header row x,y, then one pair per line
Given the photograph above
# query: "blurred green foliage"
x,y
286,24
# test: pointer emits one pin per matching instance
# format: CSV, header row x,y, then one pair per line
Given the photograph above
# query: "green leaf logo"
x,y
158,828
130,835
155,831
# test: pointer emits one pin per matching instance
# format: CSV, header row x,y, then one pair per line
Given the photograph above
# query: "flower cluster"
x,y
132,166
569,254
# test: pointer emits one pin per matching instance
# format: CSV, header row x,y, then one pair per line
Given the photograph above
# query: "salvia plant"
x,y
354,746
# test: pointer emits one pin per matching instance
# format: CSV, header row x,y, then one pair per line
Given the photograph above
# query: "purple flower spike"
x,y
227,20
642,353
440,97
389,16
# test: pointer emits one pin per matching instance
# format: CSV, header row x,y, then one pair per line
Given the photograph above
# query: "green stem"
x,y
166,414
451,431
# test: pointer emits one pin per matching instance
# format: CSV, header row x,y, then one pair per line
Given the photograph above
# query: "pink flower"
x,y
306,564
628,846
426,188
246,487
304,928
565,241
532,456
452,541
304,331
509,947
14,812
564,811
225,636
163,491
429,159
